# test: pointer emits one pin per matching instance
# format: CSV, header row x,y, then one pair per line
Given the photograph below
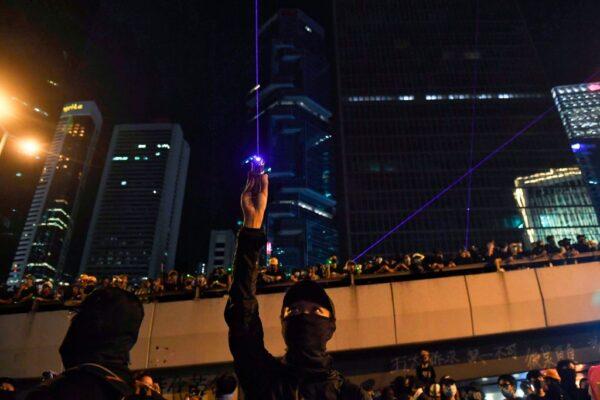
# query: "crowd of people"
x,y
558,383
493,257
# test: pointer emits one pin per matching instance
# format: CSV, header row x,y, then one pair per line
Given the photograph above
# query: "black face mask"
x,y
306,337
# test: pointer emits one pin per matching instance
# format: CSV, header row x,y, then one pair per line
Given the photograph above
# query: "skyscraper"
x,y
556,202
426,90
295,121
44,243
135,224
220,249
579,109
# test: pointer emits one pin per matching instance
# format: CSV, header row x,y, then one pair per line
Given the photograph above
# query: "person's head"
x,y
273,263
104,329
145,379
535,379
350,266
584,384
388,393
308,322
7,385
28,281
47,289
581,239
378,260
407,260
425,356
225,385
448,387
464,253
526,388
567,371
508,386
550,239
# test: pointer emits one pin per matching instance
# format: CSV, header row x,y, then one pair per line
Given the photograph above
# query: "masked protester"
x,y
307,319
508,387
568,376
95,350
425,371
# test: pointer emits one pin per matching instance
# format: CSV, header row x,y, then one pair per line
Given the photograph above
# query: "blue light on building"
x,y
295,124
579,109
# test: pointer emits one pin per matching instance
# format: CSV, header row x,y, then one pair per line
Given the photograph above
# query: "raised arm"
x,y
251,359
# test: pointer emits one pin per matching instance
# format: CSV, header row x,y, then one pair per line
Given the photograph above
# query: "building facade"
x,y
579,109
427,90
44,244
135,223
556,202
221,249
295,120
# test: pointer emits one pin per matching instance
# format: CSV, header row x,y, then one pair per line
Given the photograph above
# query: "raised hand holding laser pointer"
x,y
254,199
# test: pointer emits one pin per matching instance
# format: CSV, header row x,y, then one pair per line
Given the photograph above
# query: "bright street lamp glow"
x,y
29,146
5,106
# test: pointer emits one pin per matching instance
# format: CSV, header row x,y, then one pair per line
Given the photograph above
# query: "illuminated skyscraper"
x,y
44,243
295,121
579,109
135,224
556,202
426,90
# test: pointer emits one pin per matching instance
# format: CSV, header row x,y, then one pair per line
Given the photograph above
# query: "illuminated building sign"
x,y
72,107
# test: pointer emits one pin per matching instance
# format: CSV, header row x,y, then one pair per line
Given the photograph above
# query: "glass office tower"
x,y
44,244
426,90
579,109
296,124
135,224
556,202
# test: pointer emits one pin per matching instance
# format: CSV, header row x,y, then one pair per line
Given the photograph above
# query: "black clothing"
x,y
262,376
426,373
95,351
309,291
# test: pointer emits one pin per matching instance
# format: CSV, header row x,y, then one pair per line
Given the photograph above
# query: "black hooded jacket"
x,y
95,351
262,376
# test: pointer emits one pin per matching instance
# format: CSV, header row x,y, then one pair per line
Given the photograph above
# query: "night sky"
x,y
191,62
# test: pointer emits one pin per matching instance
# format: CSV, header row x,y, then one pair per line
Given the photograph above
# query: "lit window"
x,y
18,174
137,158
157,153
307,28
123,183
141,146
120,158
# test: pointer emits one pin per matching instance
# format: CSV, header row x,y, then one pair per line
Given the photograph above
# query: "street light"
x,y
30,147
6,109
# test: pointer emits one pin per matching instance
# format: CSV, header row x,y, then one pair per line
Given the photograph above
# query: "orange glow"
x,y
30,147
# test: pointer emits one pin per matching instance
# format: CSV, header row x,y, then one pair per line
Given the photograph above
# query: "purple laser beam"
x,y
469,171
256,74
473,126
456,182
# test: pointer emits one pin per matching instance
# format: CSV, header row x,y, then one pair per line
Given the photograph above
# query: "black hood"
x,y
104,330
